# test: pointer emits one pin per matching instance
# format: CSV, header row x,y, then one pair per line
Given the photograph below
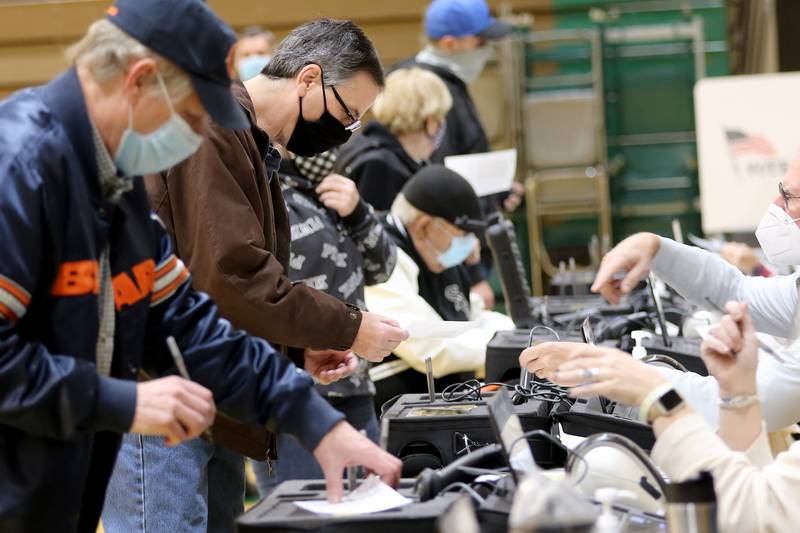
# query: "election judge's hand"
x,y
543,359
730,352
328,366
607,372
632,256
343,446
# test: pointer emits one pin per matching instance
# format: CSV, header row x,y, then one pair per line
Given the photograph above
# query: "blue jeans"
x,y
194,487
295,462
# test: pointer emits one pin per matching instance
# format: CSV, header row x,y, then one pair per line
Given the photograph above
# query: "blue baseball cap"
x,y
460,18
190,35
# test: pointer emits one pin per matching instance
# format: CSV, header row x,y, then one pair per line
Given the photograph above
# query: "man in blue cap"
x,y
460,33
90,289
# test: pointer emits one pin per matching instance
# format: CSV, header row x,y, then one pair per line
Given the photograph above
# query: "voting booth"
x,y
748,131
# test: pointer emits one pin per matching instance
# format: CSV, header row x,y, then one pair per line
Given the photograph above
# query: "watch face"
x,y
670,400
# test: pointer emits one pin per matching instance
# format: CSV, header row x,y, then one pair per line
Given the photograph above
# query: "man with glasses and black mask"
x,y
699,275
225,210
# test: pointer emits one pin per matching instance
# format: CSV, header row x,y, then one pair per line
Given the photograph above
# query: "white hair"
x,y
107,51
404,211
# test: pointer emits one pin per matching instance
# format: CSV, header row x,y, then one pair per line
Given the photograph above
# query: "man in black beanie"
x,y
435,221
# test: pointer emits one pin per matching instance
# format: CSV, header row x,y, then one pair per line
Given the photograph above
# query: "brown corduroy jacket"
x,y
225,211
226,214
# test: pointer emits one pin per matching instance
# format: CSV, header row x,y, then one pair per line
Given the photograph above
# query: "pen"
x,y
177,356
761,345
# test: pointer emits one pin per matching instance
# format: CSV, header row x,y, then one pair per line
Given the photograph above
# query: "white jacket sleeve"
x,y
777,379
697,274
399,298
749,498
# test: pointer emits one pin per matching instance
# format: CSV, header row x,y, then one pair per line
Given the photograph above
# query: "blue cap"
x,y
190,35
460,18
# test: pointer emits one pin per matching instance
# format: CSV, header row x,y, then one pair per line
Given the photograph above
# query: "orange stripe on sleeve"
x,y
167,268
8,313
157,296
15,291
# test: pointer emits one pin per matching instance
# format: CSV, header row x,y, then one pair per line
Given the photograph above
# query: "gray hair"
x,y
107,51
339,47
258,31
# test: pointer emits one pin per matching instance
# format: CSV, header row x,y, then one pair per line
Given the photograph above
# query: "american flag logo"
x,y
740,143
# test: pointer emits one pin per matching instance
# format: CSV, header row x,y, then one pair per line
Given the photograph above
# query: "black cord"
x,y
470,391
542,433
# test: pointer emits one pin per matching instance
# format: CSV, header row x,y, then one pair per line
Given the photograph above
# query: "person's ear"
x,y
431,126
139,76
421,225
307,77
448,44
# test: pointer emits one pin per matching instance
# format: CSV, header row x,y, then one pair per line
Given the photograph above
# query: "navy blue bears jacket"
x,y
60,420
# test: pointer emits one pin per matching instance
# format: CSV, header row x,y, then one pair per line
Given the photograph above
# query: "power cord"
x,y
471,391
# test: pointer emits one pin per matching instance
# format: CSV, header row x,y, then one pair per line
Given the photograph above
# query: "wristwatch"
x,y
661,401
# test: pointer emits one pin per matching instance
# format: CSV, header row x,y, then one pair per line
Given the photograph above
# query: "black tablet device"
x,y
508,431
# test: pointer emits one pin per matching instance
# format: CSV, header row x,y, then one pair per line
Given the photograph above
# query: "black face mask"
x,y
312,137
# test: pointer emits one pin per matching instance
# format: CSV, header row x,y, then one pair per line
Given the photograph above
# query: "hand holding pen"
x,y
180,364
172,407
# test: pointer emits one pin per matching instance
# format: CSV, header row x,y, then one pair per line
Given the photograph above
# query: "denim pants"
x,y
193,487
295,462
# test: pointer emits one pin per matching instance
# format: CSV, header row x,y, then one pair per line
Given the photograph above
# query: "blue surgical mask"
x,y
460,248
164,148
251,66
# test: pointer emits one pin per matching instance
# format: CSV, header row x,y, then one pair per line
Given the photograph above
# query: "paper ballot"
x,y
437,329
372,496
488,173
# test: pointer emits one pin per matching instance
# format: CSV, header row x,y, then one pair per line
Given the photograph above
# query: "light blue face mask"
x,y
460,248
251,66
170,144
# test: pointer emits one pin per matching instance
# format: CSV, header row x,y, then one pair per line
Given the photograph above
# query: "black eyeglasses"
x,y
786,196
355,123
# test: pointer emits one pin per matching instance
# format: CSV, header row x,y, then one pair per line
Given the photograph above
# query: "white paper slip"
x,y
437,329
488,173
372,496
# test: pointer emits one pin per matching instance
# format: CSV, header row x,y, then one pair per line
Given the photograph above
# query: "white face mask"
x,y
164,148
779,237
466,65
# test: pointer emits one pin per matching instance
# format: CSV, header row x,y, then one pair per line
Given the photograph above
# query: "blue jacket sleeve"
x,y
249,379
43,393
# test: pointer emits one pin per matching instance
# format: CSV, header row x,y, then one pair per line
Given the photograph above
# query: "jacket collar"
x,y
64,97
269,154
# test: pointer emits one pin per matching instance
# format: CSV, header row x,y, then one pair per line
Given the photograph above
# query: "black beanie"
x,y
438,191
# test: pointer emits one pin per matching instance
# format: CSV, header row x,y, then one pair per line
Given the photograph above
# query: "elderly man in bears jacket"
x,y
90,288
